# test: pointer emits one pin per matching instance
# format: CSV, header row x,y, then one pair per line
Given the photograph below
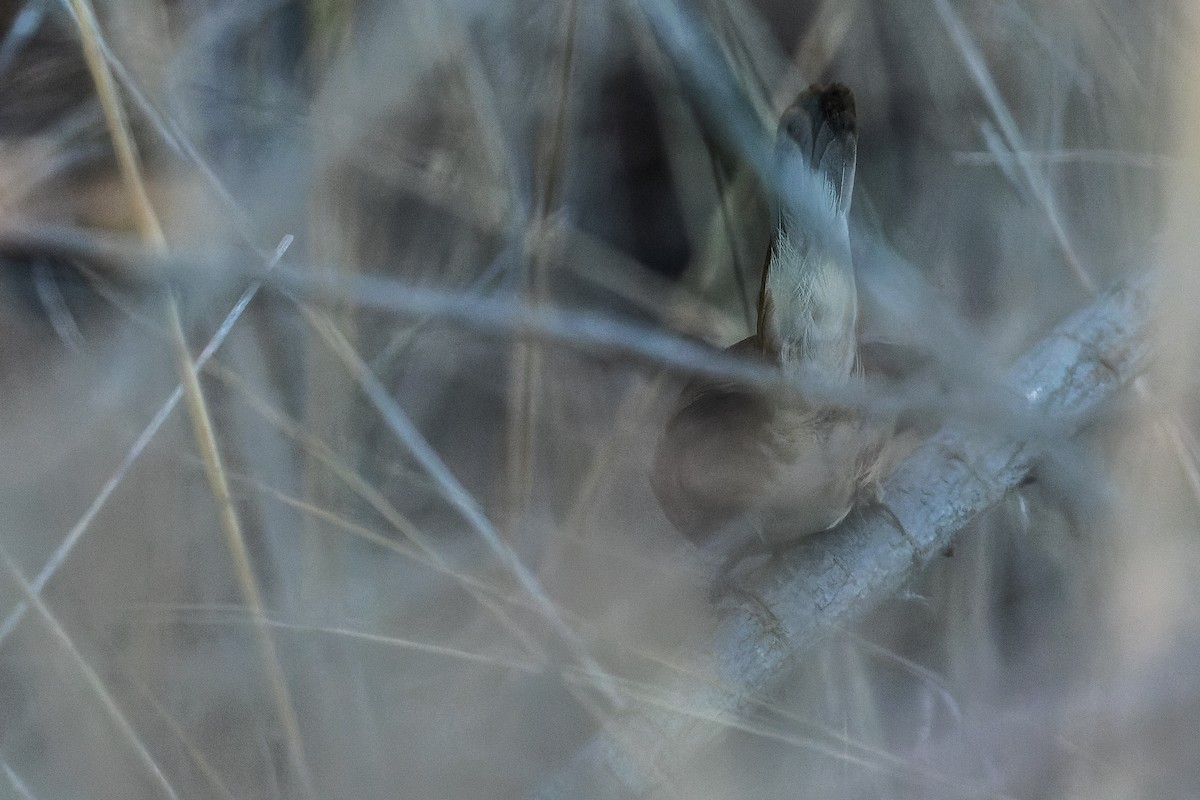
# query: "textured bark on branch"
x,y
832,579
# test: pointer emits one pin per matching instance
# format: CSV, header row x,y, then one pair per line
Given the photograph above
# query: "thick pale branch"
x,y
832,579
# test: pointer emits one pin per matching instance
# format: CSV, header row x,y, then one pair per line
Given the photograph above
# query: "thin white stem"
x,y
457,495
60,554
90,676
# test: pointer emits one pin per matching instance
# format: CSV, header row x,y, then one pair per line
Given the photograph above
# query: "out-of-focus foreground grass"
x,y
437,524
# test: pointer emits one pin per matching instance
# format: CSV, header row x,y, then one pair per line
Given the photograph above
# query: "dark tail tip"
x,y
836,105
819,114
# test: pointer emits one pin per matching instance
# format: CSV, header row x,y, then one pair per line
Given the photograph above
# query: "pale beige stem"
x,y
151,231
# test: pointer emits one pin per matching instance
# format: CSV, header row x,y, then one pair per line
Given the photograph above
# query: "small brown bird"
x,y
792,466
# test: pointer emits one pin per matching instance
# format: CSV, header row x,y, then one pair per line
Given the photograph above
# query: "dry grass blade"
x,y
202,425
206,441
206,768
425,550
1037,184
830,744
452,653
456,494
1041,191
93,680
135,451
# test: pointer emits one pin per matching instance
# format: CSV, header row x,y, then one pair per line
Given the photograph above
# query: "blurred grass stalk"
x,y
203,430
